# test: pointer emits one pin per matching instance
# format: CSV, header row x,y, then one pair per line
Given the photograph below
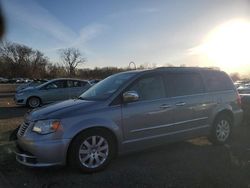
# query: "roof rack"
x,y
204,68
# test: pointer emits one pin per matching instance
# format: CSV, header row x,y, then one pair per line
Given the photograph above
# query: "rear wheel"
x,y
222,129
34,102
92,150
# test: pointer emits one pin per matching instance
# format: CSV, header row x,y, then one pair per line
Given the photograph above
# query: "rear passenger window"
x,y
149,88
82,84
56,84
76,83
180,84
217,81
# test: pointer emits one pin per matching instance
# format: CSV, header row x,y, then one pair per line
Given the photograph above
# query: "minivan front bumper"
x,y
42,153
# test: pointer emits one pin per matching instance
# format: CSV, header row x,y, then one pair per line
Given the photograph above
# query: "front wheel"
x,y
34,102
92,150
221,131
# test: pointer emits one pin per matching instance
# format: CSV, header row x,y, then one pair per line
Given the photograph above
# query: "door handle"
x,y
180,104
164,106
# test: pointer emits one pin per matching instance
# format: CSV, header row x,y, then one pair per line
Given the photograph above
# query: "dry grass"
x,y
8,88
10,117
7,125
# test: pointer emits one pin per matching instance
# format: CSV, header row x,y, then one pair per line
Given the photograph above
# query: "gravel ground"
x,y
192,163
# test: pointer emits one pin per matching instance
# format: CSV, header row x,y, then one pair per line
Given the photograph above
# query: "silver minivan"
x,y
127,112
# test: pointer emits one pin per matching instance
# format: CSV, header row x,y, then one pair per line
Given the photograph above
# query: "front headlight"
x,y
46,126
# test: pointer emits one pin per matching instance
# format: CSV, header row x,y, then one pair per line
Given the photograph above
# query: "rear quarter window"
x,y
217,81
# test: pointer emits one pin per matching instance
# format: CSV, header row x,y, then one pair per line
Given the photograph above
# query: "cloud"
x,y
133,11
147,10
34,15
88,33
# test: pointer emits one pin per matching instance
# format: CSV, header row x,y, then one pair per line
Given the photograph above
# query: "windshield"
x,y
104,89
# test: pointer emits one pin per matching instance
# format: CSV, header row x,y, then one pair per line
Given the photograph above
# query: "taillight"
x,y
238,100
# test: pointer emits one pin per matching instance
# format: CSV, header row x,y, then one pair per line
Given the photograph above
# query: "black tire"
x,y
78,143
34,102
222,124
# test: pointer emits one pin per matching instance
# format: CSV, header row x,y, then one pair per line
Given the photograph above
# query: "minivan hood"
x,y
59,109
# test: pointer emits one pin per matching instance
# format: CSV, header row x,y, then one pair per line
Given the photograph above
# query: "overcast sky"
x,y
114,33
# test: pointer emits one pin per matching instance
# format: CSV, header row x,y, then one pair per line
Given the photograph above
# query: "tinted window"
x,y
83,83
217,81
75,83
56,84
149,88
179,84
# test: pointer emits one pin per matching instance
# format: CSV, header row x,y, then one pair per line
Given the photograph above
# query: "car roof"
x,y
173,69
58,79
188,69
177,69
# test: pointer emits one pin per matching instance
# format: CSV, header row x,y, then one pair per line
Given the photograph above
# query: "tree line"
x,y
17,60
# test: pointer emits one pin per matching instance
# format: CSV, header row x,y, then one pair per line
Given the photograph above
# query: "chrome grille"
x,y
23,128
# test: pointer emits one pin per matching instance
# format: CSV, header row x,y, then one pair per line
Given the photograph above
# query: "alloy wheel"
x,y
93,151
222,130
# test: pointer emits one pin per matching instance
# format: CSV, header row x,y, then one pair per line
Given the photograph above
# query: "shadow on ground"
x,y
193,163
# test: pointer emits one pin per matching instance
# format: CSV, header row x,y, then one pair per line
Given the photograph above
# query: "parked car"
x,y
94,81
20,80
245,99
244,89
12,80
33,83
3,80
127,112
51,91
241,83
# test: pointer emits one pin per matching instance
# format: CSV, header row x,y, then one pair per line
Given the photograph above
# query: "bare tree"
x,y
15,53
22,60
71,57
235,76
55,71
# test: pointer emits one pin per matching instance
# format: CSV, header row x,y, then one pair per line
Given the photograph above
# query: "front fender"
x,y
73,130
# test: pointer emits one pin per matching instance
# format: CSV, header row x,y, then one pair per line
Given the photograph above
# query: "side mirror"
x,y
130,96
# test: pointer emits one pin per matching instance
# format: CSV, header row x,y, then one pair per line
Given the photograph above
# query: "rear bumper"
x,y
238,117
42,153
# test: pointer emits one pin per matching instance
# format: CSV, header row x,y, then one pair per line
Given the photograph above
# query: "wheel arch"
x,y
27,100
226,112
97,128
